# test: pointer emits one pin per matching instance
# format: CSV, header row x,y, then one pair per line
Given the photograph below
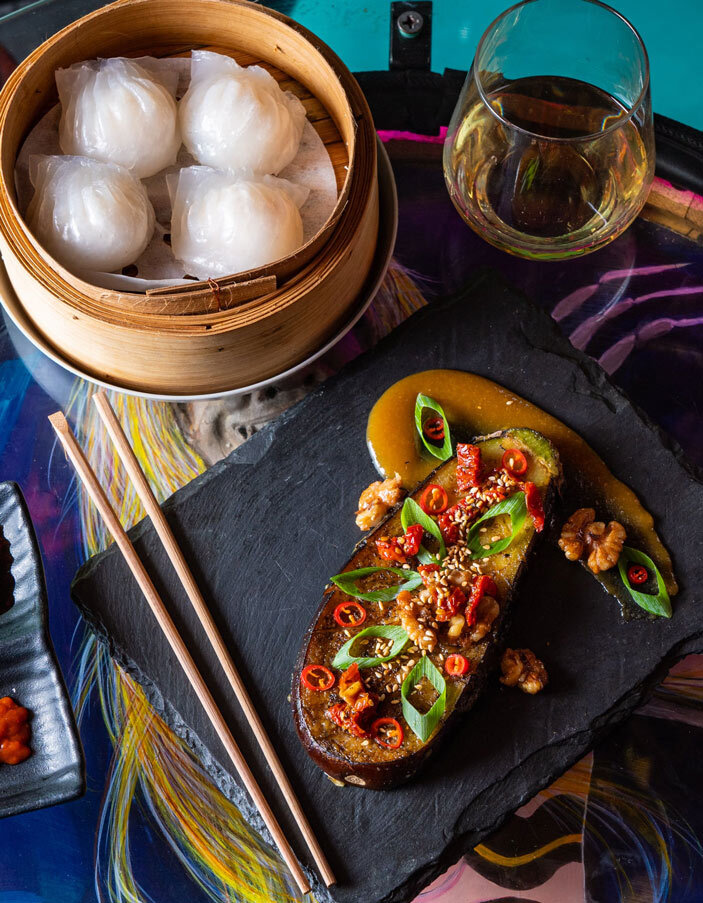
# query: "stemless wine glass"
x,y
550,150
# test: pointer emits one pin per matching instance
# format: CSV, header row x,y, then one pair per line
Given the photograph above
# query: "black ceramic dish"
x,y
29,672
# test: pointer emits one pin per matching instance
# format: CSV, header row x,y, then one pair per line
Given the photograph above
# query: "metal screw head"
x,y
410,23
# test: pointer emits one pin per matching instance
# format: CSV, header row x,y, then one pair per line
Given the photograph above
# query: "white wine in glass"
x,y
553,165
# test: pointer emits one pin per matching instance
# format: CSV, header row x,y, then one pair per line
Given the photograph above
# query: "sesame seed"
x,y
508,403
364,742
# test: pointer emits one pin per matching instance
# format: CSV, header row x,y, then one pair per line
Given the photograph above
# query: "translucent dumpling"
x,y
237,118
119,112
223,224
87,214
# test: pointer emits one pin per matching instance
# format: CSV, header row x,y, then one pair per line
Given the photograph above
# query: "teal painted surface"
x,y
672,32
359,33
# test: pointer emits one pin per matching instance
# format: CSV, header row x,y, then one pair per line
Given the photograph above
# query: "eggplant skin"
x,y
386,775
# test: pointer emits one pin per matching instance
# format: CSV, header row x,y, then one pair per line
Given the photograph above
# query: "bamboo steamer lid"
x,y
202,337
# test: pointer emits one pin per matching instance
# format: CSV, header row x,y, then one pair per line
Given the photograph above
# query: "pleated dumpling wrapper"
x,y
223,223
237,118
89,215
119,111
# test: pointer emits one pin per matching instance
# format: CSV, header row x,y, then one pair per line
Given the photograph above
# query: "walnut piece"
x,y
522,668
486,613
377,500
572,541
414,619
605,545
583,535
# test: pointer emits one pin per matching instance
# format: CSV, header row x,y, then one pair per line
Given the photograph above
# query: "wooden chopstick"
x,y
173,550
101,502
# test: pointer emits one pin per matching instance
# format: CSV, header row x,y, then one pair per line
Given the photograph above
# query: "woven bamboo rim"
x,y
168,27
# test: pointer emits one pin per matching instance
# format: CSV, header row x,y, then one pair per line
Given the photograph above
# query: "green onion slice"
x,y
347,582
659,604
344,658
423,725
425,403
411,514
516,507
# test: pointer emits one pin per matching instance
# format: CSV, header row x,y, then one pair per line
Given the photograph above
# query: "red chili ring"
x,y
456,665
434,500
434,429
398,734
349,606
637,574
514,462
329,677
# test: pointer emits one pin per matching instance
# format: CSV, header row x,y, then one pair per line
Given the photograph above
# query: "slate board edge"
x,y
257,446
11,496
464,842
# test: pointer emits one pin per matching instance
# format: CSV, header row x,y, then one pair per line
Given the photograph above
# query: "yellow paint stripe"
x,y
514,861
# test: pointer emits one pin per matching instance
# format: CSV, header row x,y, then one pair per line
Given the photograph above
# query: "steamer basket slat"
x,y
249,326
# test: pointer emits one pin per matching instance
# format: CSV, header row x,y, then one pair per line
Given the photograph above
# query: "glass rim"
x,y
631,108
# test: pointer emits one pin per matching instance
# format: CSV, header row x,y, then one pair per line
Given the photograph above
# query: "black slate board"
x,y
267,527
29,672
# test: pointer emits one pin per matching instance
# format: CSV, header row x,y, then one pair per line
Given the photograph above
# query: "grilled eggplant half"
x,y
398,651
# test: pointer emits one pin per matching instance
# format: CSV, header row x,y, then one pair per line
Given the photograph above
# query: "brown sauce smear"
x,y
477,406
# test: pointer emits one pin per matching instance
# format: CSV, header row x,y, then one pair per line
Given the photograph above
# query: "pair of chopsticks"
x,y
101,502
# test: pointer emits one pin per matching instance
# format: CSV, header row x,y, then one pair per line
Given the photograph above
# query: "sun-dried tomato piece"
x,y
482,586
468,466
535,508
448,606
413,539
400,548
424,570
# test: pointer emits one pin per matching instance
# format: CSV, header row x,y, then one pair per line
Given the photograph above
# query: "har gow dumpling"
x,y
224,224
119,112
237,118
89,215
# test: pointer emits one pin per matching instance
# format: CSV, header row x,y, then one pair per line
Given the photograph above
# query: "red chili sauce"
x,y
14,732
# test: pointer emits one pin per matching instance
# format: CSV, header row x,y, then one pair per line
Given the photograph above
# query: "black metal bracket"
x,y
411,35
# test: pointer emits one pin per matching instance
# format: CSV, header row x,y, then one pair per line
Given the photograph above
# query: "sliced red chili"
x,y
434,500
535,508
434,429
349,614
449,606
483,586
387,732
468,466
514,462
456,665
317,677
637,574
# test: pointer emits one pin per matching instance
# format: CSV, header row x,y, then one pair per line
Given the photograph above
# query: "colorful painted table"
x,y
625,823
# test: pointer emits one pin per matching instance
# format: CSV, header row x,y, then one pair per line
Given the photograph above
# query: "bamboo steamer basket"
x,y
213,336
